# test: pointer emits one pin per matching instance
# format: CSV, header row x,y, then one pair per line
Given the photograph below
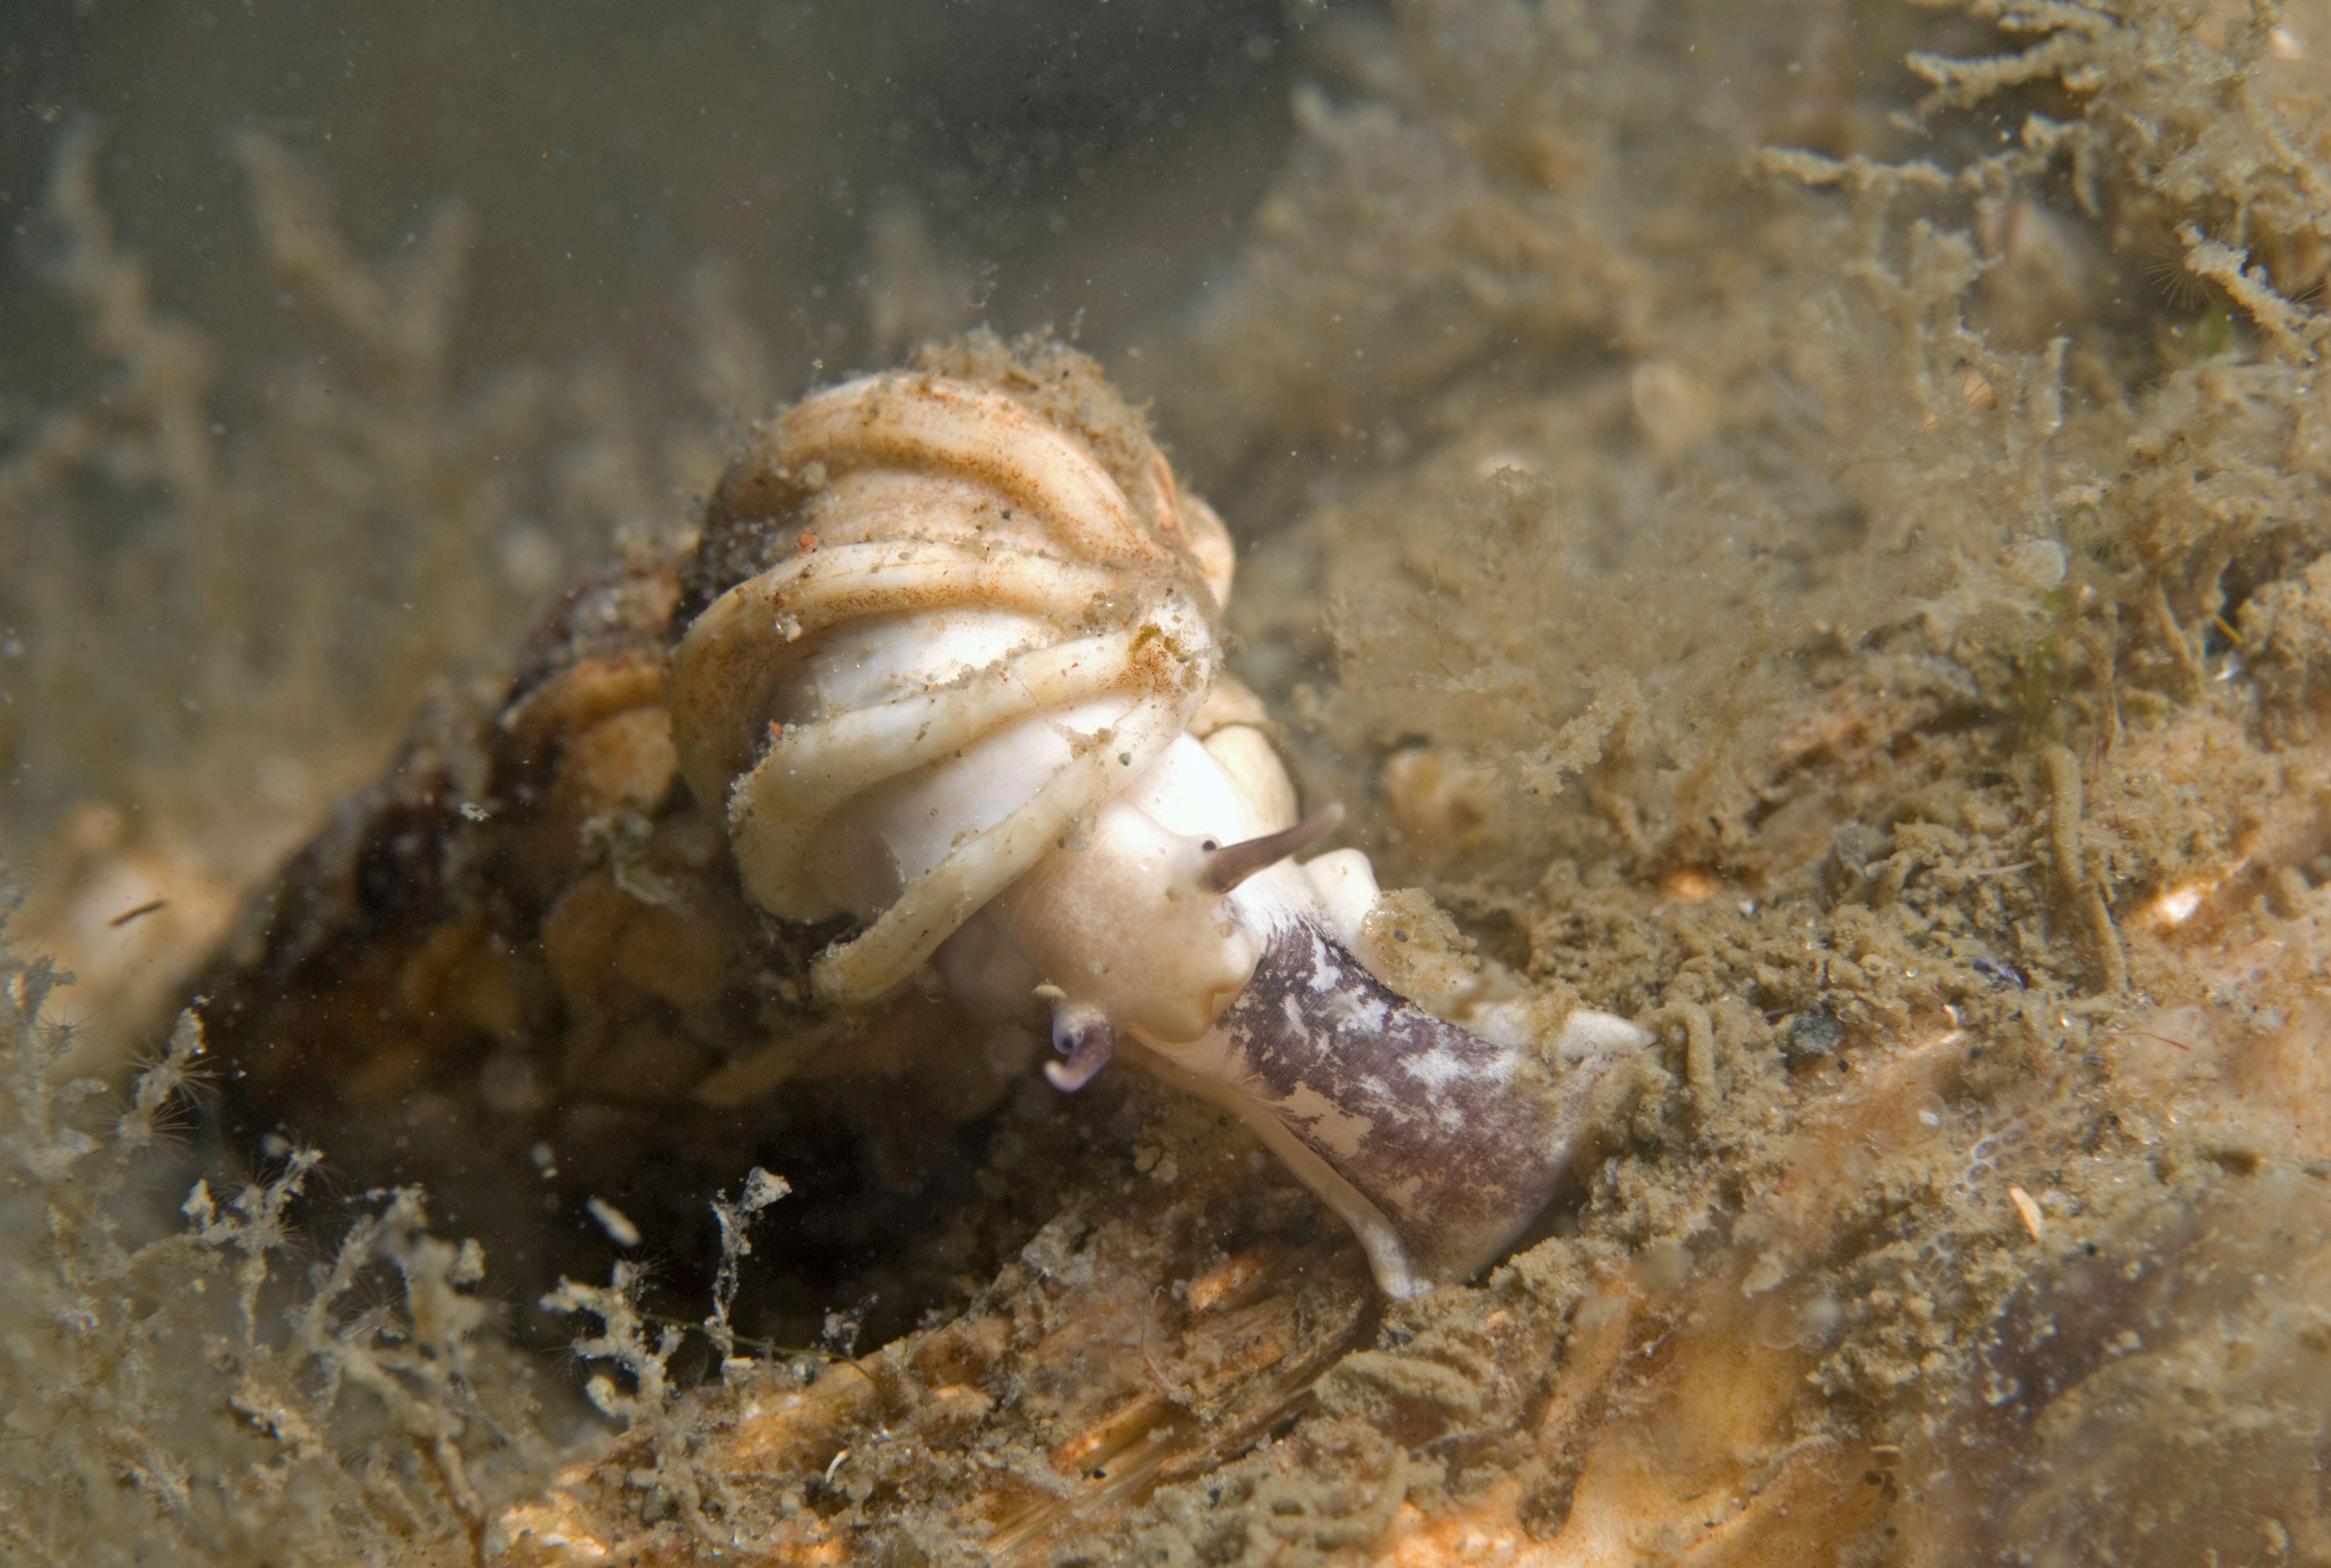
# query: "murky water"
x,y
1802,525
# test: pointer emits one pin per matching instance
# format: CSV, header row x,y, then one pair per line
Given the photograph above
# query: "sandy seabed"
x,y
1800,525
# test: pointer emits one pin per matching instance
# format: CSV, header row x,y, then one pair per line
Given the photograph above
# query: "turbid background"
x,y
1800,523
841,180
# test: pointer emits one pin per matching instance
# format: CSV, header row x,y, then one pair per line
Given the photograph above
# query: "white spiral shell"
x,y
978,616
957,674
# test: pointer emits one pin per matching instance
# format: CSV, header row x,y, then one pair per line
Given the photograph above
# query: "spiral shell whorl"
x,y
968,614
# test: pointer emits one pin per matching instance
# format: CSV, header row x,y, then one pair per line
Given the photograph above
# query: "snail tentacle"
x,y
1228,865
1087,1040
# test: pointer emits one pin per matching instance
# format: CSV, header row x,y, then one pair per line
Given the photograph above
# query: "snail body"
x,y
976,643
957,676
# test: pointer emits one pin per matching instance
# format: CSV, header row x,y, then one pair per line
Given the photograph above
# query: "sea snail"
x,y
957,676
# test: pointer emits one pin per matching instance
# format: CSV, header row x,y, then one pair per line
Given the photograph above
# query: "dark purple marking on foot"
x,y
1457,1139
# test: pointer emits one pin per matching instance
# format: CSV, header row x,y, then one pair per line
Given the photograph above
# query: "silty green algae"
x,y
1685,499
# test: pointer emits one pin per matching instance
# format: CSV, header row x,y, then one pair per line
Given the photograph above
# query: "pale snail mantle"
x,y
964,682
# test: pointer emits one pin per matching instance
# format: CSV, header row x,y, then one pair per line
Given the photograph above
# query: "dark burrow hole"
x,y
888,1220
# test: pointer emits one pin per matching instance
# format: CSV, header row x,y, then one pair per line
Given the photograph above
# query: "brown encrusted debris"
x,y
518,968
